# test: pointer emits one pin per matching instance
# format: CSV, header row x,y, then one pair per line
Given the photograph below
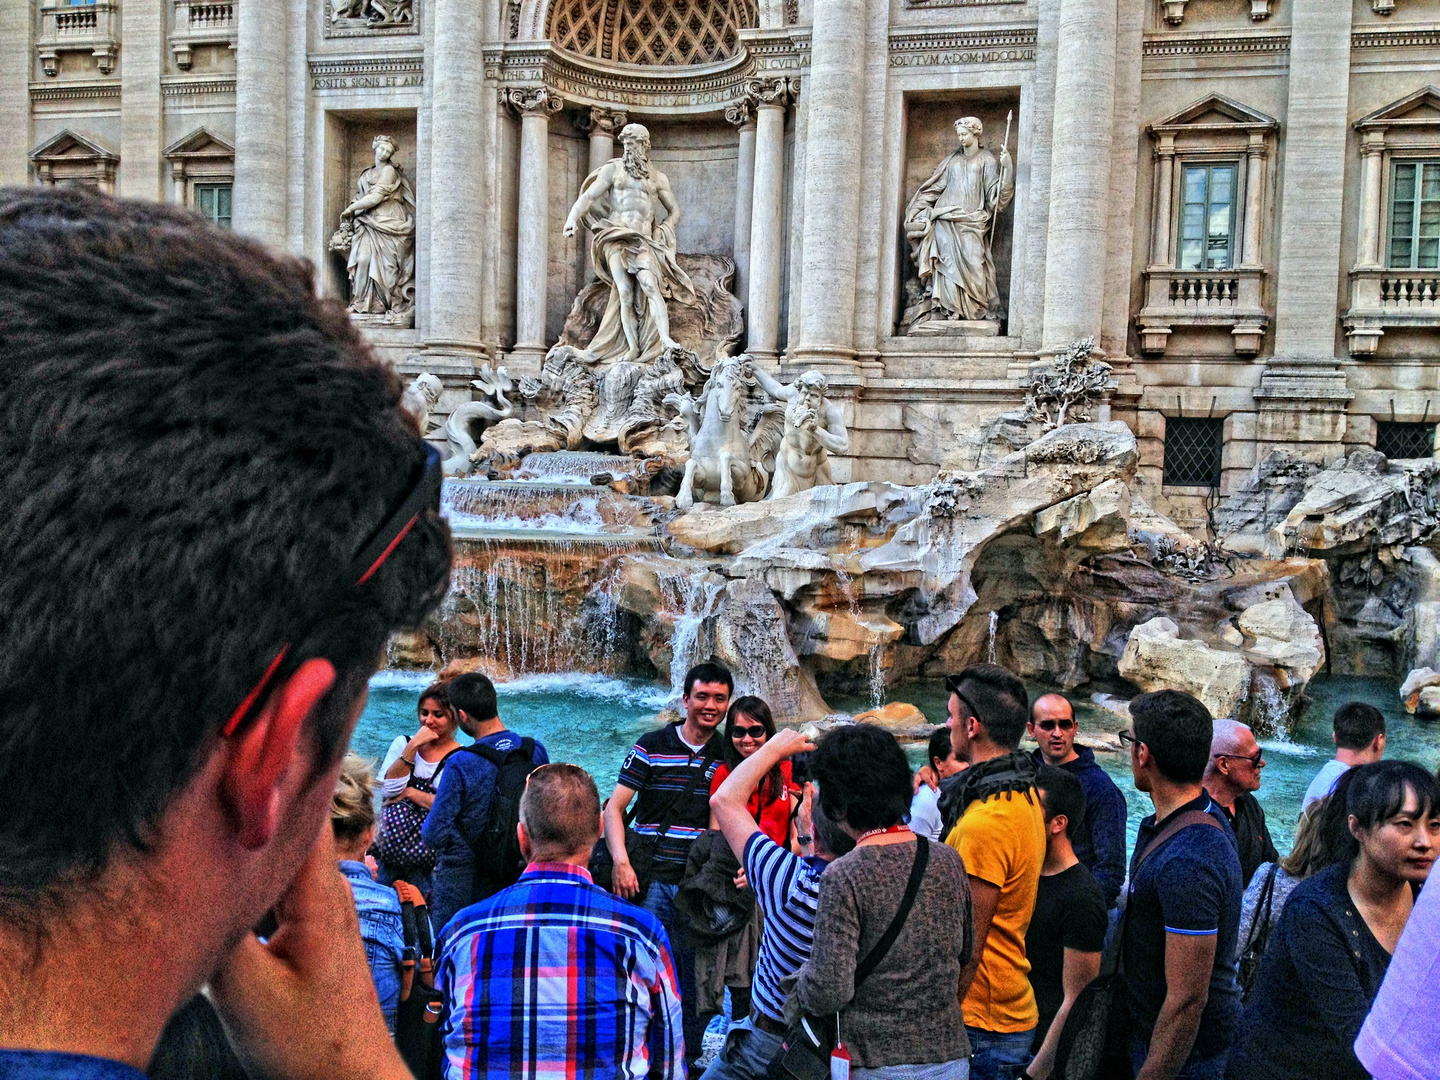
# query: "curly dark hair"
x,y
863,776
196,446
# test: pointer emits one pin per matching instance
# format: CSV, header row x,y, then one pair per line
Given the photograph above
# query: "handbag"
x,y
641,847
398,843
811,1040
1260,926
1095,1042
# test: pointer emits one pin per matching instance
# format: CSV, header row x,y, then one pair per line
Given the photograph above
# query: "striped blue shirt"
x,y
554,977
787,888
660,767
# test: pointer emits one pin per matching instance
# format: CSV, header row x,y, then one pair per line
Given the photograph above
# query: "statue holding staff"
x,y
950,224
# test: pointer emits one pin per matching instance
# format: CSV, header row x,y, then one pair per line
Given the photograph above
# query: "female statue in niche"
x,y
949,223
378,230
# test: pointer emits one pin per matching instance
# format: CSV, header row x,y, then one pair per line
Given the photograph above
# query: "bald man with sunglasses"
x,y
1099,843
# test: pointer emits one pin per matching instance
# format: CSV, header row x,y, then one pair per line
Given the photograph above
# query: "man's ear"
x,y
264,750
524,837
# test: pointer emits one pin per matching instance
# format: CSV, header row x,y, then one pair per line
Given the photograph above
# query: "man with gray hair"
x,y
554,974
1232,777
632,252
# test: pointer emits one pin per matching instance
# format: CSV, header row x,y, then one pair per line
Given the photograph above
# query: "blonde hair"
x,y
1307,853
352,810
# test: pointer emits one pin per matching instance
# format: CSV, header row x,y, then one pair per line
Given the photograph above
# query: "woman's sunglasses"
x,y
757,733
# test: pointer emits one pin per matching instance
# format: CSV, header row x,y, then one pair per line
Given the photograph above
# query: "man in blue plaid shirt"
x,y
554,976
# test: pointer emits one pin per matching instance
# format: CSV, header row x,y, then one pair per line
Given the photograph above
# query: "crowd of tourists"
x,y
212,490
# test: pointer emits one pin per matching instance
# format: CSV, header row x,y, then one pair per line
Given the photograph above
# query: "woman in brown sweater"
x,y
903,1022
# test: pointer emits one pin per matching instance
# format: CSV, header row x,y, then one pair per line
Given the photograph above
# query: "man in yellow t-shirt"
x,y
1000,833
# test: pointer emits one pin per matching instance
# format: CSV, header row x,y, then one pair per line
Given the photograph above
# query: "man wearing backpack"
x,y
477,805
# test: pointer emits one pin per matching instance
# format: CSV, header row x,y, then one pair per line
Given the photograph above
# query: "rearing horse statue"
x,y
721,466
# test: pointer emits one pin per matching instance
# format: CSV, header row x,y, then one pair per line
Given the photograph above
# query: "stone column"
x,y
835,96
532,247
1251,255
742,115
142,29
457,169
1303,393
1080,171
16,59
1372,150
1164,202
260,148
767,218
603,124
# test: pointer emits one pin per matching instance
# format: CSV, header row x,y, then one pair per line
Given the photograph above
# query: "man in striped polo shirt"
x,y
787,888
670,770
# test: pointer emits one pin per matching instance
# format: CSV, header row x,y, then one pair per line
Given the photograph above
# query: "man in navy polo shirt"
x,y
661,768
1183,908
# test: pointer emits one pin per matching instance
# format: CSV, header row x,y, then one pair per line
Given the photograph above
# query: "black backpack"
x,y
498,861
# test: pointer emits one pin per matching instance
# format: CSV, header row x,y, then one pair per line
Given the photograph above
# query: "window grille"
x,y
1415,215
1192,451
1398,440
213,202
1207,217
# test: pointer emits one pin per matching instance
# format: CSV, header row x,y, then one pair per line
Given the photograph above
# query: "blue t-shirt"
x,y
457,819
1190,885
50,1065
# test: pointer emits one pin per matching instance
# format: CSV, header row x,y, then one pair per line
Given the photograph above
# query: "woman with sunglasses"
x,y
410,780
748,726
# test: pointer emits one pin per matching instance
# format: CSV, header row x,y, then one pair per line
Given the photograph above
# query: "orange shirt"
x,y
772,815
1002,841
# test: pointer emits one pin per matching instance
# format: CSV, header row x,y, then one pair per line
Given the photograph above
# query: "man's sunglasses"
x,y
423,494
757,733
1253,759
1051,725
952,686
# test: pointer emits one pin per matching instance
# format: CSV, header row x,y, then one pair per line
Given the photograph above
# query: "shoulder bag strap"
x,y
668,818
912,889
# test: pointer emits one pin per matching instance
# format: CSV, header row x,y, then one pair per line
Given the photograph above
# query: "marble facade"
x,y
795,133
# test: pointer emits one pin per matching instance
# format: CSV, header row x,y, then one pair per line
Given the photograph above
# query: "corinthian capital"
x,y
533,99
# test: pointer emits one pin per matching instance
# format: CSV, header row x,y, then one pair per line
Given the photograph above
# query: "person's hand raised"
x,y
302,1005
422,738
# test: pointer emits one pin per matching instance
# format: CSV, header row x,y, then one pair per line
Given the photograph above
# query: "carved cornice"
x,y
959,3
532,100
1395,37
1215,44
1002,45
187,86
90,90
699,88
367,72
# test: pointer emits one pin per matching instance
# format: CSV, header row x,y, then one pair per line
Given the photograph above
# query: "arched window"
x,y
652,32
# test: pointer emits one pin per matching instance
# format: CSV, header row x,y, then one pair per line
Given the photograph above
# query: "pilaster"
x,y
15,58
142,31
742,116
261,158
532,250
767,216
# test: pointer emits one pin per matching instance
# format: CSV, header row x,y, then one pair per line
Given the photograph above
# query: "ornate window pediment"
x,y
667,33
1206,226
71,159
202,167
1396,278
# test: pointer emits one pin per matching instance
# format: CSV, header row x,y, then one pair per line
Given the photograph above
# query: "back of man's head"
x,y
999,700
1062,793
196,447
560,810
474,694
1178,730
1357,724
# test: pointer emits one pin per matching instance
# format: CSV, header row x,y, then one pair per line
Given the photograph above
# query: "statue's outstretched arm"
x,y
771,385
598,184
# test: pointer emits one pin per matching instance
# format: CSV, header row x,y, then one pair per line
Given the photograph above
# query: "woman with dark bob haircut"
x,y
1332,946
906,1011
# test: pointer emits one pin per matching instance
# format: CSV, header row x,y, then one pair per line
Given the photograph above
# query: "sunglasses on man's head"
x,y
757,733
1051,725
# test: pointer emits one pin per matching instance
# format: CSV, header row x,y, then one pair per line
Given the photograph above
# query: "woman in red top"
x,y
747,726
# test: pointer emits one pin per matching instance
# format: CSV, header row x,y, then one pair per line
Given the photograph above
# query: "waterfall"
x,y
695,598
990,651
1269,711
875,662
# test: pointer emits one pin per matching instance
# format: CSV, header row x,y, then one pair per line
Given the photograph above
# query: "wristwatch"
x,y
804,839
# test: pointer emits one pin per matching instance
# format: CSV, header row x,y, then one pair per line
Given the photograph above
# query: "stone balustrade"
x,y
92,28
199,23
1203,298
1396,298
